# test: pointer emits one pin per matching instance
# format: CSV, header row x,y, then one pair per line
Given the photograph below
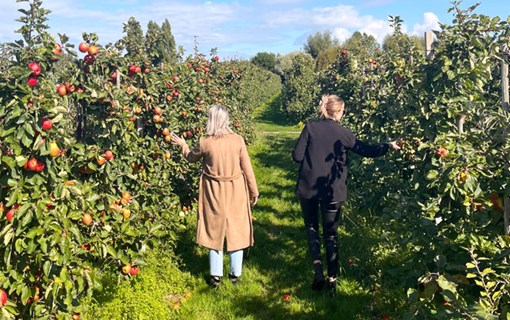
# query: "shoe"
x,y
233,278
318,282
331,286
215,282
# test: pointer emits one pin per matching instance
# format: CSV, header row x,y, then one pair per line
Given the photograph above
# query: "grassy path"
x,y
277,266
277,273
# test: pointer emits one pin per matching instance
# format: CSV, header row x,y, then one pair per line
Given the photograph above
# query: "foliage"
x,y
441,196
362,46
258,86
299,91
134,41
156,293
264,60
319,42
89,179
283,63
400,43
168,50
326,58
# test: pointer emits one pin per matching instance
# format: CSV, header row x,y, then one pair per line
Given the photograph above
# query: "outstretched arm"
x,y
373,151
191,155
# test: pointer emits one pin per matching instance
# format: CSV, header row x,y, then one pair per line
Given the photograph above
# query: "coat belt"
x,y
222,178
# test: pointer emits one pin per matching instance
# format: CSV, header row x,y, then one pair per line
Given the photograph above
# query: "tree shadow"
x,y
279,254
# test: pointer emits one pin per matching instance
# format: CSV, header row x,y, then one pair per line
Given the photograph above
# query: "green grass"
x,y
277,264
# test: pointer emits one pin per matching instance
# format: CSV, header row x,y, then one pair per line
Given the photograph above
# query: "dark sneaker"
x,y
318,282
215,281
233,278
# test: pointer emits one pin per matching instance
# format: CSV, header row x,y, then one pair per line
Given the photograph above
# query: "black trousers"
x,y
330,212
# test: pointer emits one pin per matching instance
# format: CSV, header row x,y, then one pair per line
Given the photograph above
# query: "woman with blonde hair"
x,y
321,151
227,184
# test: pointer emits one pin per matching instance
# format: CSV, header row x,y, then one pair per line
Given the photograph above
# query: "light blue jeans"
x,y
216,262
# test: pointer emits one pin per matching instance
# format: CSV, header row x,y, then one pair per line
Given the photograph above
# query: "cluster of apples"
x,y
36,71
91,50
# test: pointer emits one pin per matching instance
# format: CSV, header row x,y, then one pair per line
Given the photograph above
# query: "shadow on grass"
x,y
278,264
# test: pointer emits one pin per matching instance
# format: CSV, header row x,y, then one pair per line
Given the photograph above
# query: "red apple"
x,y
83,47
35,67
70,87
10,214
344,52
108,155
441,152
134,270
158,110
32,164
32,80
93,50
46,124
57,50
89,59
3,298
61,90
40,166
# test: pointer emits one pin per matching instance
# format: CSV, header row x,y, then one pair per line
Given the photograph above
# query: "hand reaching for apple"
x,y
395,145
178,140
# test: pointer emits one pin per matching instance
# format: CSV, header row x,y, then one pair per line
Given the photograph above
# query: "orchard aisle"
x,y
276,277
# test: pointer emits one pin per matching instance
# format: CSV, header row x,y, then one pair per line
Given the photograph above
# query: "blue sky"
x,y
240,29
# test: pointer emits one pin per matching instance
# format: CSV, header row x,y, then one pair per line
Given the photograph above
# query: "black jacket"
x,y
321,151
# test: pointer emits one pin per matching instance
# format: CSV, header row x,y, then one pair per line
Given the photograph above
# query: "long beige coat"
x,y
226,185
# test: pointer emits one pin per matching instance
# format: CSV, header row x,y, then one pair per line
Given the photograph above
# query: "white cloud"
x,y
377,28
341,34
430,22
278,26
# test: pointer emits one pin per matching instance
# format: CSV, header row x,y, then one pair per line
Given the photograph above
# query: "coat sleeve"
x,y
248,171
298,154
195,154
371,151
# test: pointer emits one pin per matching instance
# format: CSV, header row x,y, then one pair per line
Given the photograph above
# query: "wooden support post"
x,y
118,78
504,86
460,124
506,214
506,108
429,40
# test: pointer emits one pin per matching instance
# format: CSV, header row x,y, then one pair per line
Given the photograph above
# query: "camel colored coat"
x,y
226,185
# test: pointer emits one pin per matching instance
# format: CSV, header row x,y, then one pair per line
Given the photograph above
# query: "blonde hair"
x,y
218,122
330,105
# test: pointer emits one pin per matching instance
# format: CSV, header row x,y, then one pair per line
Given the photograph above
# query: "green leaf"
x,y
446,285
19,245
26,140
10,162
432,175
8,234
111,251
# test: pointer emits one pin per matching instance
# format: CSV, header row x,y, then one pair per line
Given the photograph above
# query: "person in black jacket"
x,y
321,151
